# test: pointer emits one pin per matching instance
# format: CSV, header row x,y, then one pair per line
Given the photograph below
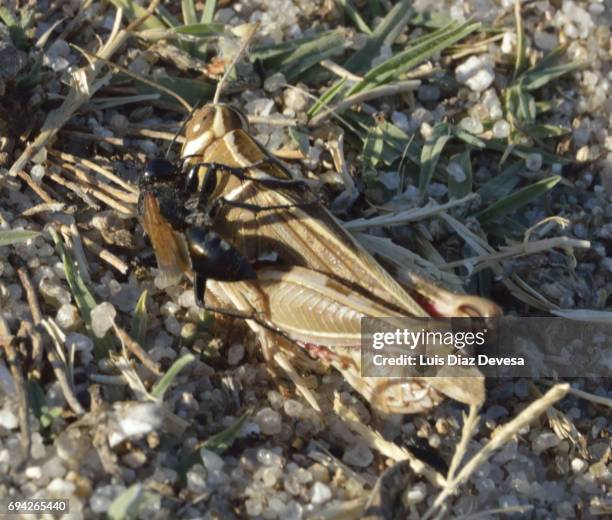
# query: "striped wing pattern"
x,y
323,282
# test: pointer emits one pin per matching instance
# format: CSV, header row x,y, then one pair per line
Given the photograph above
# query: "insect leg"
x,y
274,342
253,316
240,174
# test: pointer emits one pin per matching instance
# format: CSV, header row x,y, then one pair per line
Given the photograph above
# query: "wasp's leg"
x,y
193,181
199,289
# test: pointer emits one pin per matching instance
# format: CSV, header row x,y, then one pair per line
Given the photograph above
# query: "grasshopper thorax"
x,y
211,122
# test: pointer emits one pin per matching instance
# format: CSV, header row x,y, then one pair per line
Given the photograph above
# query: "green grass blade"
x,y
222,441
521,48
431,154
219,443
502,184
373,147
189,12
537,78
129,502
327,97
300,139
140,320
385,33
280,50
527,107
15,236
15,30
208,14
415,54
430,20
458,188
167,17
83,298
509,204
354,15
164,383
520,105
310,54
523,151
546,131
468,138
397,144
201,30
37,403
134,11
193,91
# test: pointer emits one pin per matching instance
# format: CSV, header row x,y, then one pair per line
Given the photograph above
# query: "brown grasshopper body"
x,y
322,281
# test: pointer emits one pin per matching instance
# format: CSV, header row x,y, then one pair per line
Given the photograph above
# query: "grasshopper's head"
x,y
209,123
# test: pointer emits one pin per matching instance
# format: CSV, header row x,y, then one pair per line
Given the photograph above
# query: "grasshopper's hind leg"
x,y
251,307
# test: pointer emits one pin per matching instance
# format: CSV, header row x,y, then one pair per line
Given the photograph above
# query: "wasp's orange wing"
x,y
169,246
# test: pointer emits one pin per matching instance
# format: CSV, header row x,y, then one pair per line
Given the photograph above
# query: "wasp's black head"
x,y
157,170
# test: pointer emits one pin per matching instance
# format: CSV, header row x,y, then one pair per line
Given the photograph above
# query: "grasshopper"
x,y
322,281
236,208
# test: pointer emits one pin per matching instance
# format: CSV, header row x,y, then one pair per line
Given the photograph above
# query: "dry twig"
x,y
502,436
84,86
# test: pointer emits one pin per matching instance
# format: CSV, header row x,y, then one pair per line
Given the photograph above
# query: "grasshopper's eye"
x,y
157,170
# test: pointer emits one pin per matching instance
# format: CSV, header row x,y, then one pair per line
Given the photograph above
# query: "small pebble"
x,y
534,162
53,468
293,408
320,493
429,92
37,173
501,129
579,465
67,317
34,472
545,441
8,420
275,82
196,479
359,454
212,461
134,459
472,125
295,100
53,293
103,497
102,318
269,421
235,354
416,494
476,72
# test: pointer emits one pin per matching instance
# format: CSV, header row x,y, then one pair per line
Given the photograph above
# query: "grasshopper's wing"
x,y
170,251
305,235
325,317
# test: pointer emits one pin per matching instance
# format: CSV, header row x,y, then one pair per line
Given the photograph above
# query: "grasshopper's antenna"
x,y
245,43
